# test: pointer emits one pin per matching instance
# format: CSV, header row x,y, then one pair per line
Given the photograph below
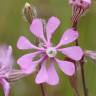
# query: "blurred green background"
x,y
12,25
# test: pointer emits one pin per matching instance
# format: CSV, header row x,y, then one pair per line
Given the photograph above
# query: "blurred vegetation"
x,y
12,25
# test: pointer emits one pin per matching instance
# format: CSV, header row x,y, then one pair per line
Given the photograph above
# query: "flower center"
x,y
51,52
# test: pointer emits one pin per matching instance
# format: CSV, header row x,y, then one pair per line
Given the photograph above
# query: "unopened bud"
x,y
91,54
79,7
29,12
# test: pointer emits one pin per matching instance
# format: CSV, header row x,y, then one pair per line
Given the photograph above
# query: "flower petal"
x,y
69,36
27,65
53,78
67,67
23,44
74,52
42,75
52,25
6,86
37,28
6,60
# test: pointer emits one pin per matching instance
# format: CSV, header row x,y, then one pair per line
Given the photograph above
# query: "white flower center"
x,y
51,52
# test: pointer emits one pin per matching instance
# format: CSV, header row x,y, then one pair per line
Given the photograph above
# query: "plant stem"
x,y
43,90
82,72
81,62
73,81
83,77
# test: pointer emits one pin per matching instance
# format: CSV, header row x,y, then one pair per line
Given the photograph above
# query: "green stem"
x,y
83,77
81,62
82,72
43,90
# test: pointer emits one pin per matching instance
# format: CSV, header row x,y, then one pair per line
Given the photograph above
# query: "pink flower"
x,y
47,52
5,67
6,71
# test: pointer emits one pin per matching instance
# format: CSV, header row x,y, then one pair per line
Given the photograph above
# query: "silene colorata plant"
x,y
44,55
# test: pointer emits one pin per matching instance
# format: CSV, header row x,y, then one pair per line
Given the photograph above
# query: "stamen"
x,y
51,52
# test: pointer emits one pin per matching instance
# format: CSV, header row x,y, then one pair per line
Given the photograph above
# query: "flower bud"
x,y
29,12
79,7
91,54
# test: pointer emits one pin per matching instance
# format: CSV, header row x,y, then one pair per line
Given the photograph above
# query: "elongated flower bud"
x,y
29,12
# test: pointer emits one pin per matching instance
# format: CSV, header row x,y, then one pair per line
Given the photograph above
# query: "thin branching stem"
x,y
43,90
83,77
81,62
